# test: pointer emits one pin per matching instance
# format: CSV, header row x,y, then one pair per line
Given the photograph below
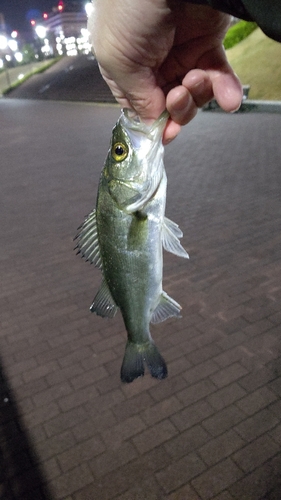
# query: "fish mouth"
x,y
146,140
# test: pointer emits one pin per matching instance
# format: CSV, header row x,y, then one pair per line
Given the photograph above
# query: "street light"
x,y
41,31
3,42
89,8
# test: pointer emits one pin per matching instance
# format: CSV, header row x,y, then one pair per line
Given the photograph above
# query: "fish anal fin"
x,y
166,308
170,238
103,304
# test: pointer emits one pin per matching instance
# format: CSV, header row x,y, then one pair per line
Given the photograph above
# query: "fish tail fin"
x,y
134,358
155,362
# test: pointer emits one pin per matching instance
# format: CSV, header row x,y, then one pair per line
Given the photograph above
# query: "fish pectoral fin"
x,y
103,303
87,240
170,238
166,308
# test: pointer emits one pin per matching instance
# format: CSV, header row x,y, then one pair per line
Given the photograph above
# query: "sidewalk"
x,y
69,430
11,75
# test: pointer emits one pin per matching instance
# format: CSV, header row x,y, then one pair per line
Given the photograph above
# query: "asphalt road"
x,y
71,79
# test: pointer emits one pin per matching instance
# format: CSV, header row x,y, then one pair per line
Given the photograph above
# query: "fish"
x,y
124,237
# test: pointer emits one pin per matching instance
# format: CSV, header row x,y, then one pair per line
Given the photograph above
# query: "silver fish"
x,y
125,235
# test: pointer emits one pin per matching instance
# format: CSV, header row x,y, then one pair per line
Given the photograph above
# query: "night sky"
x,y
18,13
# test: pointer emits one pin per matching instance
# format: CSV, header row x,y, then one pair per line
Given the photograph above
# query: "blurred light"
x,y
13,44
60,6
14,34
3,42
45,15
21,76
32,22
8,58
18,57
41,31
89,8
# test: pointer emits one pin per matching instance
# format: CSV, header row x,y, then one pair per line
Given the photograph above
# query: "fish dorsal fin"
x,y
103,303
170,238
166,308
87,240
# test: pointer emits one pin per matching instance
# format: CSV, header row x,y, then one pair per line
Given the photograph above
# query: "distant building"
x,y
2,23
66,29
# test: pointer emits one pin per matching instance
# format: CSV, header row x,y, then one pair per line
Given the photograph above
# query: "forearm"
x,y
266,13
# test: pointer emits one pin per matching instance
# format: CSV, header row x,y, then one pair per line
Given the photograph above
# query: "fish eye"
x,y
119,151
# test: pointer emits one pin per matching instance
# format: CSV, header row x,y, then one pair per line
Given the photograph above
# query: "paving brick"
x,y
223,420
161,410
184,493
112,459
167,388
196,392
40,371
257,484
88,378
123,430
228,375
180,472
192,415
76,398
257,379
256,425
42,414
204,353
223,496
216,479
95,422
226,396
63,421
220,447
80,453
133,406
72,481
56,392
257,400
154,436
200,371
256,453
187,441
149,486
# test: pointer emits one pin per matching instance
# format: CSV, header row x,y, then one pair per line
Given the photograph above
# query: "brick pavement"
x,y
69,430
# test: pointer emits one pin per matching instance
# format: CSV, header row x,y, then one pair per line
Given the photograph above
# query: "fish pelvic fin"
x,y
103,303
166,308
136,355
170,238
87,240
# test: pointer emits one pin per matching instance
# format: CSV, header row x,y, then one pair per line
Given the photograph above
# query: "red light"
x,y
45,15
32,22
60,6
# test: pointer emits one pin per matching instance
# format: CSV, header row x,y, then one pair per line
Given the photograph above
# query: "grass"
x,y
257,62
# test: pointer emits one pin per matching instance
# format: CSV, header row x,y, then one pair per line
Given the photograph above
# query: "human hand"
x,y
158,54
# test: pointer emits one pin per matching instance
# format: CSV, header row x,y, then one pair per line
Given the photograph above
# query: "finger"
x,y
227,91
171,131
180,104
225,84
199,84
